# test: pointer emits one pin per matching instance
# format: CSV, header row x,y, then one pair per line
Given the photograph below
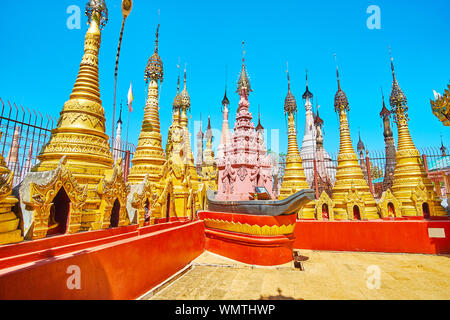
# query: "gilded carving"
x,y
246,228
41,200
389,206
110,191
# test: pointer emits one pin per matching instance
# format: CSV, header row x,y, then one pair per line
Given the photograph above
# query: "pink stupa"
x,y
244,163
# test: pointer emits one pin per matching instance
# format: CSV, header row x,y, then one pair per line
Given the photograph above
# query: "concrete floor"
x,y
326,275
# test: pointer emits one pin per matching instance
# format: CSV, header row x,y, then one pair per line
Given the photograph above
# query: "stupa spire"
x,y
294,177
389,142
351,195
411,185
149,157
244,81
81,126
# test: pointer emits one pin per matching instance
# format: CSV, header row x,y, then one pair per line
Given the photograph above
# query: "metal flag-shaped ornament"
x,y
127,5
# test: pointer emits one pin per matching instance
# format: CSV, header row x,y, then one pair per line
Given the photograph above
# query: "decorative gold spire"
x,y
411,185
154,70
185,98
80,134
351,195
294,177
244,81
177,101
340,100
149,157
290,104
398,99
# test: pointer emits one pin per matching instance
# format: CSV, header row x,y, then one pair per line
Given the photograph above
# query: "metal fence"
x,y
25,132
320,170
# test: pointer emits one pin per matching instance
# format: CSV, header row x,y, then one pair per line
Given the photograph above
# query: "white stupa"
x,y
308,151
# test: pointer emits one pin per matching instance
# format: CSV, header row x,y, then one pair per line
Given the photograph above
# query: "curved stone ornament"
x,y
388,202
112,189
37,193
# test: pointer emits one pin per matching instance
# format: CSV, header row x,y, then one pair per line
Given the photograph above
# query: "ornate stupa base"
x,y
114,193
55,202
354,202
10,231
51,202
324,208
389,206
256,240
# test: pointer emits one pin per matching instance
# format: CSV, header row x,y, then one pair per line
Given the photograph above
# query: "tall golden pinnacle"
x,y
294,177
175,126
351,195
411,185
149,157
80,134
187,156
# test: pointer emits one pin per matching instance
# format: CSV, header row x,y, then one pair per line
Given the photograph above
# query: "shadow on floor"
x,y
280,296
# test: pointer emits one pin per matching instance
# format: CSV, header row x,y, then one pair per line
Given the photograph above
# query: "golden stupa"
x,y
294,177
183,173
10,231
149,158
351,195
411,186
78,153
209,168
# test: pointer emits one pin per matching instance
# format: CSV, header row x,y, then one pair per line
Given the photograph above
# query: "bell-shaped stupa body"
x,y
351,195
149,157
245,163
411,185
294,178
80,133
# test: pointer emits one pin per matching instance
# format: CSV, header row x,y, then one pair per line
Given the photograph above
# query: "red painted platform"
x,y
402,236
230,235
121,263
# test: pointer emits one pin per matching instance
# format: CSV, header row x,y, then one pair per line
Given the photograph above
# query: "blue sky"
x,y
40,57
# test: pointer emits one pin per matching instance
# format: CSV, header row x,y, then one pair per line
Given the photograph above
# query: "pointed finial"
x,y
307,78
243,52
157,39
288,77
337,72
392,62
185,72
178,82
120,114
